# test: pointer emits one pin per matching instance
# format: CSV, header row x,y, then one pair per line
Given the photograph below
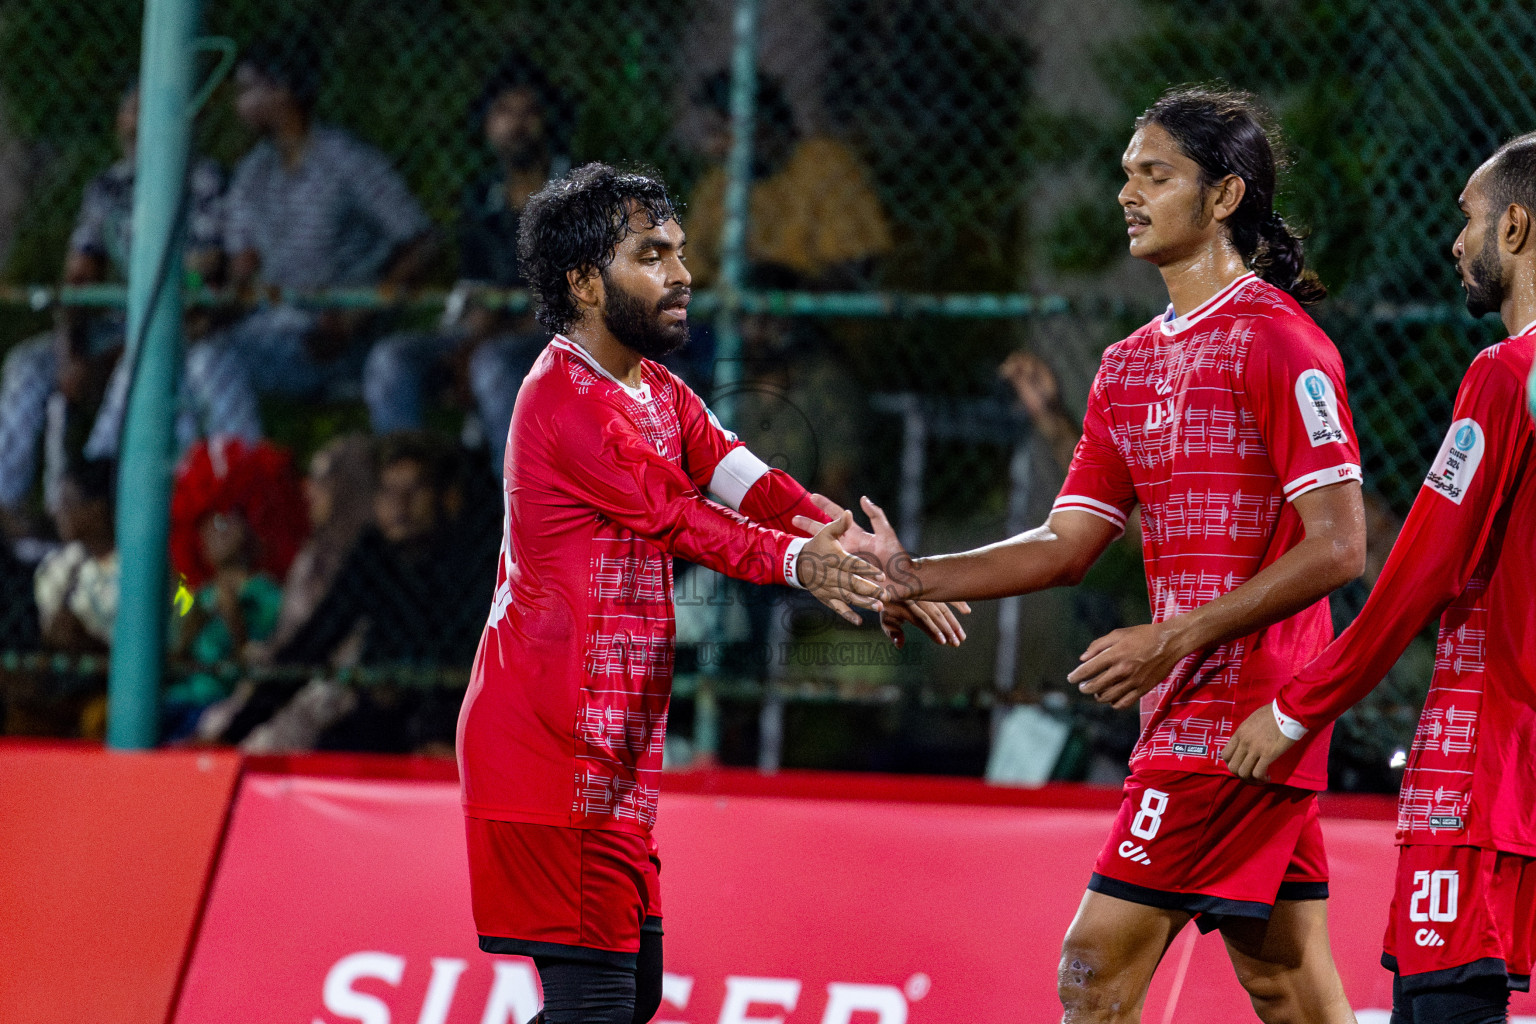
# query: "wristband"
x,y
791,566
1289,727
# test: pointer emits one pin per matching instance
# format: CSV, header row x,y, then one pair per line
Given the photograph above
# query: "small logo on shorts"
x,y
1134,852
1444,821
1428,937
1192,749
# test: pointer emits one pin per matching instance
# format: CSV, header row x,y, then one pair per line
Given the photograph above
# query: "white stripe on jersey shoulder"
x,y
641,394
1322,478
1082,503
735,474
1177,324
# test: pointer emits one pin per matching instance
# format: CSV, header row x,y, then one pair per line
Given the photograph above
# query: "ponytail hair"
x,y
1228,132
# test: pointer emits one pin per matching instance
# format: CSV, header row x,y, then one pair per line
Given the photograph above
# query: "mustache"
x,y
1137,218
675,298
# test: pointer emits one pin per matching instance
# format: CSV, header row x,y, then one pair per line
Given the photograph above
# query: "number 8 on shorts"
x,y
1153,803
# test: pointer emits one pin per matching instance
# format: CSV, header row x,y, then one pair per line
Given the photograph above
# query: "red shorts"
x,y
576,893
1212,845
1459,912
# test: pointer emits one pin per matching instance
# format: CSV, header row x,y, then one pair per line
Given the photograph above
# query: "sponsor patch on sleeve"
x,y
1460,454
714,420
1319,404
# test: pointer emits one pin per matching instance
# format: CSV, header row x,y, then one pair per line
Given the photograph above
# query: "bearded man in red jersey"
x,y
608,461
1463,916
1225,419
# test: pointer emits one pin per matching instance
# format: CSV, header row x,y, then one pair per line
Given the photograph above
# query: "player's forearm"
x,y
1300,578
776,498
1035,560
1418,581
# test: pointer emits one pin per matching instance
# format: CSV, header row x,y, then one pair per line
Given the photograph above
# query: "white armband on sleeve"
x,y
735,475
792,559
1289,727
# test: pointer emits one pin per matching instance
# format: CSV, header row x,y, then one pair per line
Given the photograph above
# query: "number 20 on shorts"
x,y
1147,821
1439,888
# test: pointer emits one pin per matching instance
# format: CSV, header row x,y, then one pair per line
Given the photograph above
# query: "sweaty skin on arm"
x,y
1121,666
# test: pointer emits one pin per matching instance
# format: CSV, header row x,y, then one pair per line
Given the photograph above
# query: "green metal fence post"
x,y
733,262
154,324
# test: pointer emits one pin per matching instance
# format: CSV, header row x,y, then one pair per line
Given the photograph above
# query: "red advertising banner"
x,y
104,861
347,900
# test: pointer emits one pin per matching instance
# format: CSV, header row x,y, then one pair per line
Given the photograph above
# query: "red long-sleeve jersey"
x,y
1215,422
565,716
1468,548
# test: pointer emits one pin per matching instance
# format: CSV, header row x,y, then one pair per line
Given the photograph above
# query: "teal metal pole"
x,y
154,351
738,186
733,265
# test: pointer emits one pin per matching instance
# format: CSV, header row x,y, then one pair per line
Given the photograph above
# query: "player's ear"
x,y
586,286
1227,195
1515,229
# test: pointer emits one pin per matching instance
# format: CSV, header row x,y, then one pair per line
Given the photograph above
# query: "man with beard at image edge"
x,y
608,460
1463,917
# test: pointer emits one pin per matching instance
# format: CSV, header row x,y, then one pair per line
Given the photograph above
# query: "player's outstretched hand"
x,y
837,579
884,550
1257,744
1119,667
936,618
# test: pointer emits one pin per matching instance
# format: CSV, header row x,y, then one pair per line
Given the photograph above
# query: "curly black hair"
x,y
575,223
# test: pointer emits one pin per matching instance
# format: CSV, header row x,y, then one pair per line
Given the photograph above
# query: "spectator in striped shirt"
x,y
66,376
312,207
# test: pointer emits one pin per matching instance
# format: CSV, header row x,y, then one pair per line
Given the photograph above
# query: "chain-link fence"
x,y
932,189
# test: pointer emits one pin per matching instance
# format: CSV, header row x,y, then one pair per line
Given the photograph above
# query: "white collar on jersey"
x,y
641,394
1171,325
1522,332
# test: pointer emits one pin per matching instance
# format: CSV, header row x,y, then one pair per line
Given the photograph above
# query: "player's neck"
x,y
619,360
1193,279
1519,306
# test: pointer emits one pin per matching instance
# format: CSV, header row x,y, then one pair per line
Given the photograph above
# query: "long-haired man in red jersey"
x,y
1463,916
1225,419
608,461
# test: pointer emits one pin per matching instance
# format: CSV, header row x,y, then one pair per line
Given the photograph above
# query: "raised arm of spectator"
x,y
1040,393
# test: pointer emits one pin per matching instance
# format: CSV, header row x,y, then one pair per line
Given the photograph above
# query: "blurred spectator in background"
x,y
311,207
60,377
398,600
482,352
254,479
76,586
237,521
812,208
238,606
399,595
338,494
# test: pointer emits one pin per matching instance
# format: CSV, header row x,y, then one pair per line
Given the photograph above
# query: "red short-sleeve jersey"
x,y
565,715
1467,550
1214,422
